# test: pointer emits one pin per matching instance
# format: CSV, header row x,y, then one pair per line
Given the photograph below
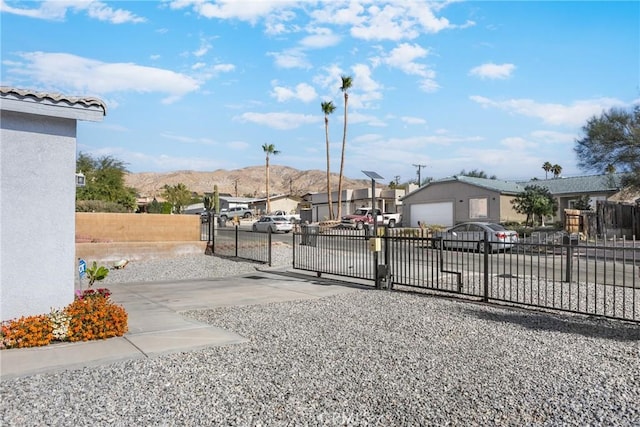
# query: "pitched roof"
x,y
580,184
505,187
557,186
54,98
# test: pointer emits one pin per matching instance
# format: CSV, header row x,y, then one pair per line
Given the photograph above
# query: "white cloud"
x,y
232,9
302,92
365,89
330,78
493,71
67,72
403,57
358,118
413,120
551,137
292,58
395,20
337,13
223,68
161,162
187,139
429,86
56,10
387,23
575,114
281,121
203,49
320,38
238,145
517,143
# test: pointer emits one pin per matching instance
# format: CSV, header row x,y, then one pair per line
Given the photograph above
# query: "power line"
x,y
419,167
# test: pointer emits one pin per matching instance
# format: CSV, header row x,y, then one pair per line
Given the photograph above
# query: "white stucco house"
x,y
37,198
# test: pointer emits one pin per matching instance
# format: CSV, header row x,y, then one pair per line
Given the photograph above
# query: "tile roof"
x,y
55,98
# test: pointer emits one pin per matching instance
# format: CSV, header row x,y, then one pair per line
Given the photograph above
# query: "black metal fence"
x,y
232,241
600,278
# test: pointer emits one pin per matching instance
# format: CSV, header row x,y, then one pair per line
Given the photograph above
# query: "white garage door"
x,y
432,213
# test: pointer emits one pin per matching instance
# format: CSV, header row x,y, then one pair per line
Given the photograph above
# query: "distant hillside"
x,y
250,180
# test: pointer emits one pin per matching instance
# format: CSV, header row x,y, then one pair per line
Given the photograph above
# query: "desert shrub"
x,y
30,331
99,206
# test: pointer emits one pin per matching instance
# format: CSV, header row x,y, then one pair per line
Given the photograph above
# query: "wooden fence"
x,y
609,219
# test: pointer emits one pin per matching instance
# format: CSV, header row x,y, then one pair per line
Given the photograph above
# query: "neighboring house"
x,y
37,169
227,202
456,199
283,202
597,187
387,200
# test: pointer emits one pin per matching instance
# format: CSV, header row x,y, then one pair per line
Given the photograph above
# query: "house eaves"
x,y
52,104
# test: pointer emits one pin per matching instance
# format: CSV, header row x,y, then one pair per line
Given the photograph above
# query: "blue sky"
x,y
500,87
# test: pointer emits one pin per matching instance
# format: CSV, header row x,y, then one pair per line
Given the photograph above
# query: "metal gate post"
x,y
486,266
269,242
387,256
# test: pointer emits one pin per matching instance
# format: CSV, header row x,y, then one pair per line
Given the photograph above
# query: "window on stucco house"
x,y
478,208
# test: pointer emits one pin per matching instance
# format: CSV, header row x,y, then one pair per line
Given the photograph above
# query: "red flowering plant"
x,y
93,293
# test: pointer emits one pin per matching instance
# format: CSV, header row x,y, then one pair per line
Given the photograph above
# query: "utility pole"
x,y
419,167
290,186
235,184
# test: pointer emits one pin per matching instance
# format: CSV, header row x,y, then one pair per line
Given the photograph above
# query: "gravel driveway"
x,y
364,358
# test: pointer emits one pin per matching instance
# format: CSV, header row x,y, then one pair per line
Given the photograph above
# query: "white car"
x,y
273,224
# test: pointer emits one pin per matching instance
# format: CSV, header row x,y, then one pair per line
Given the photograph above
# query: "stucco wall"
x,y
37,199
507,213
122,227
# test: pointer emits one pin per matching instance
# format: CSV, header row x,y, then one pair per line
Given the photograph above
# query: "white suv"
x,y
238,211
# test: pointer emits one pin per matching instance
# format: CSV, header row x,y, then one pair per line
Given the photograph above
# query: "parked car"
x,y
363,216
236,211
290,217
273,224
471,235
204,216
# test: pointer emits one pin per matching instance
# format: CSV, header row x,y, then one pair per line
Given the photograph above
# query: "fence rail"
x,y
235,242
599,278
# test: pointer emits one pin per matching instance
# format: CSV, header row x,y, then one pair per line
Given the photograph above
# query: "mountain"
x,y
249,181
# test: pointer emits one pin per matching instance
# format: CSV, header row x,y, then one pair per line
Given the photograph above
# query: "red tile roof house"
x,y
38,268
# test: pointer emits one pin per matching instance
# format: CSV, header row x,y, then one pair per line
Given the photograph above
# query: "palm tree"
x,y
547,168
269,149
347,82
557,170
328,108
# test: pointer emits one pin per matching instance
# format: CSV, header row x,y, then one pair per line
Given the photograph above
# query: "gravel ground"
x,y
363,358
193,267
